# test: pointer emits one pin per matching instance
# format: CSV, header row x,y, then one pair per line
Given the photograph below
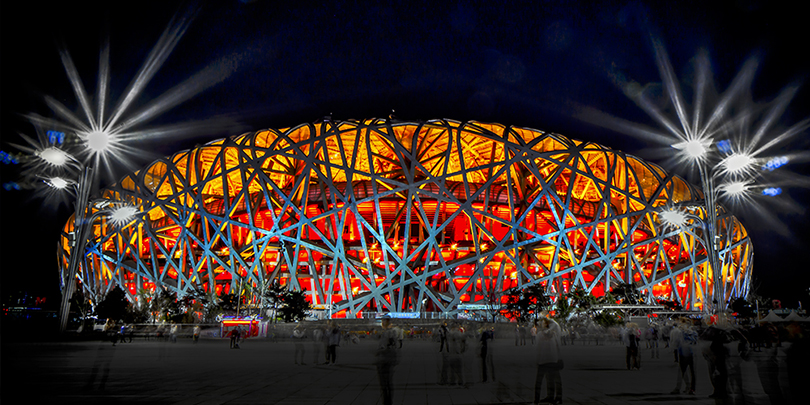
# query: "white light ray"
x,y
103,138
673,89
62,111
103,81
78,87
168,40
201,81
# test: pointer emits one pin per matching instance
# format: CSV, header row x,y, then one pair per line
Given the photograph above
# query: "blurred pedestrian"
x,y
235,335
630,337
682,342
443,337
196,333
716,356
386,359
298,339
333,341
797,358
523,333
766,361
654,342
737,349
487,335
549,362
110,331
173,332
317,343
452,359
534,333
400,332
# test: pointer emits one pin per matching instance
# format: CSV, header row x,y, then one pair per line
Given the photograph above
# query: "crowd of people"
x,y
779,352
724,346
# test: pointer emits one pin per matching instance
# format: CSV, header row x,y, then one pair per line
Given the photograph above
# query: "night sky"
x,y
538,64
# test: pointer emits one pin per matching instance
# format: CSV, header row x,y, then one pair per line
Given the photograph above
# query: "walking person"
x,y
534,333
452,361
654,342
317,343
682,341
235,335
110,332
333,341
173,332
298,340
443,337
196,333
766,361
386,359
716,356
400,334
549,363
486,353
631,340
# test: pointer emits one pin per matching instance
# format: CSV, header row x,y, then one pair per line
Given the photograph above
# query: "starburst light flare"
x,y
123,215
106,131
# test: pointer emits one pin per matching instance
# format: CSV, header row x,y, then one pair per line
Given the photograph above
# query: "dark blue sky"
x,y
533,64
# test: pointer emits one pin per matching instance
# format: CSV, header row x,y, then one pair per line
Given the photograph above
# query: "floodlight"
x,y
53,156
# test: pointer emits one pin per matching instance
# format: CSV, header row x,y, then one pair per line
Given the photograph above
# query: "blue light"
x,y
56,137
772,191
775,163
724,146
8,158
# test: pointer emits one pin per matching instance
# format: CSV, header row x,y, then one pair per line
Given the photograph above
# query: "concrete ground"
x,y
263,372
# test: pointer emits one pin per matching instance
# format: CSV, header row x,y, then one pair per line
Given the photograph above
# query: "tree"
x,y
562,308
580,300
207,304
230,302
575,301
140,311
493,300
114,305
608,318
627,293
294,306
512,305
273,297
167,307
524,304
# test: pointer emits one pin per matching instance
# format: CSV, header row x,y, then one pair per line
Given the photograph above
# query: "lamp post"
x,y
96,142
712,166
81,232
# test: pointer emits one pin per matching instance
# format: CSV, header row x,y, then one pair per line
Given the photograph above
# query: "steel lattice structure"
x,y
382,215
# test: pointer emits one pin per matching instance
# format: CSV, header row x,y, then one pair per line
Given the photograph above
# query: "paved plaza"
x,y
263,372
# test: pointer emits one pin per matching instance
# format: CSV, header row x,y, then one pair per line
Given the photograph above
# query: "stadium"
x,y
382,215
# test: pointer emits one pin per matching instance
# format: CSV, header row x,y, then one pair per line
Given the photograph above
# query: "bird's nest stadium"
x,y
388,216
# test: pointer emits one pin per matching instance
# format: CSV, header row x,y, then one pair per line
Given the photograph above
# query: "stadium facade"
x,y
388,216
